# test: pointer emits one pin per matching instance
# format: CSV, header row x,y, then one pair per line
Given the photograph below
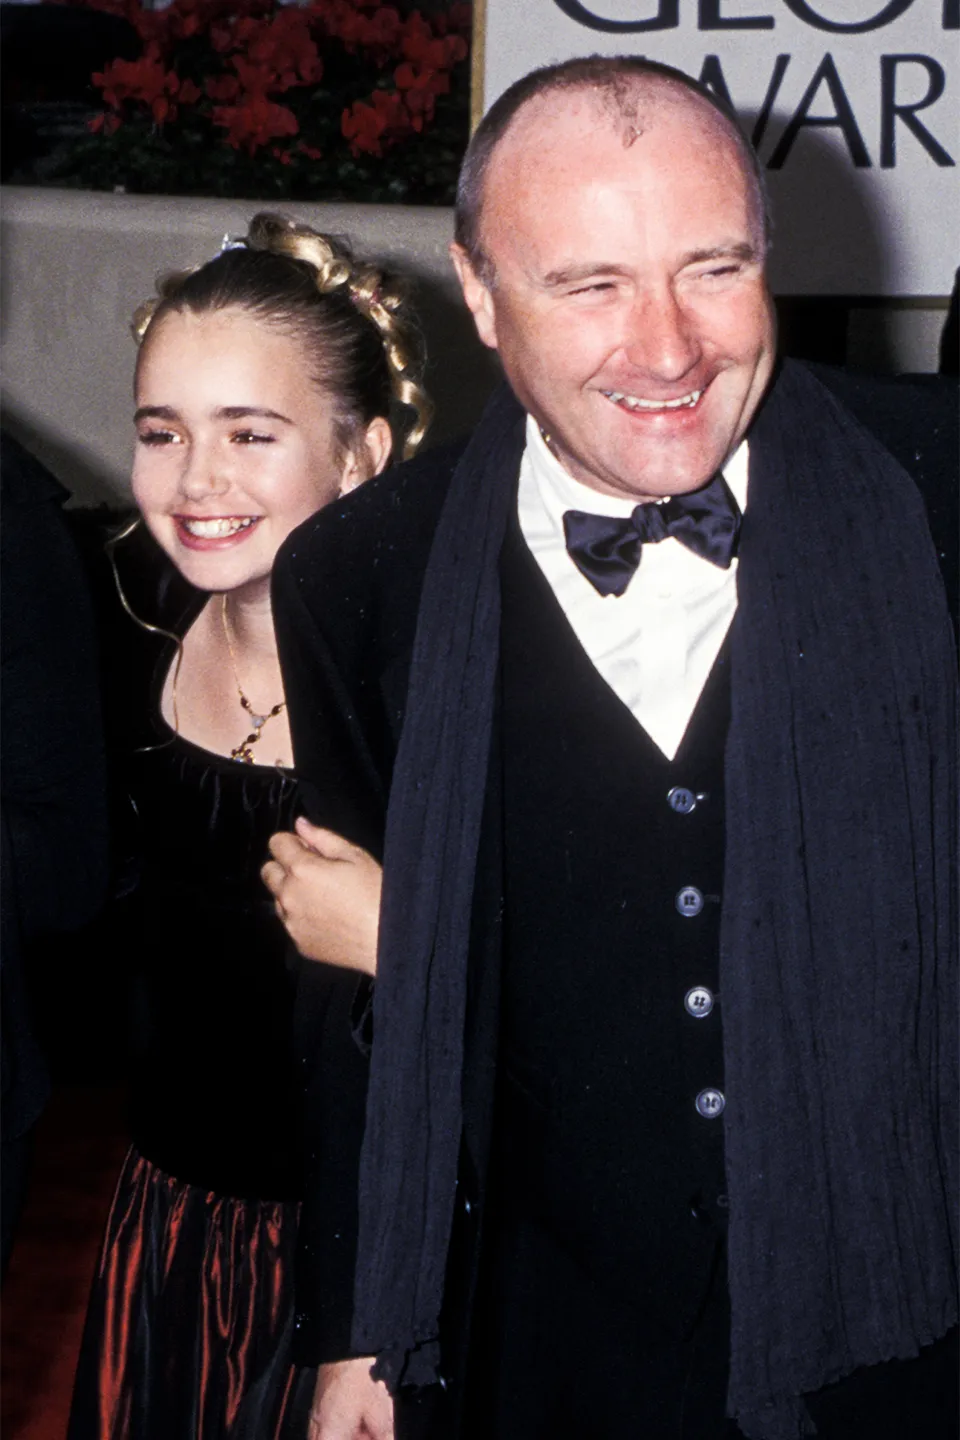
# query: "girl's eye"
x,y
251,437
158,437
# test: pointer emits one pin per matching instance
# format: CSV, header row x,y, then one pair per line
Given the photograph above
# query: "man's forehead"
x,y
567,141
619,114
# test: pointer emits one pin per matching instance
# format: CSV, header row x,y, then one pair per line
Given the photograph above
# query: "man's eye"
x,y
596,288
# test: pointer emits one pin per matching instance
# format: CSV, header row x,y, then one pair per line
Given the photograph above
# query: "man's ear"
x,y
477,295
368,456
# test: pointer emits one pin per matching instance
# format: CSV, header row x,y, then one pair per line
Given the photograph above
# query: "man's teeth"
x,y
633,402
219,528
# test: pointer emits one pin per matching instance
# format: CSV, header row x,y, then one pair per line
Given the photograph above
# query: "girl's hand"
x,y
327,893
348,1404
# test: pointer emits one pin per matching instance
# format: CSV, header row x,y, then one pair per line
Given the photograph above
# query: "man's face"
x,y
627,298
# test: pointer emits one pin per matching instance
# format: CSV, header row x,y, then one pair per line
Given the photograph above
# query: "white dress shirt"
x,y
655,645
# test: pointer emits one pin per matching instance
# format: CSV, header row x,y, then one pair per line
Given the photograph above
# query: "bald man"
x,y
646,697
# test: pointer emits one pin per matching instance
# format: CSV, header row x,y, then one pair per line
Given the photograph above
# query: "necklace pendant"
x,y
243,754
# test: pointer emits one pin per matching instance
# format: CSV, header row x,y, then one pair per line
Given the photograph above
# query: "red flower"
x,y
429,51
285,46
377,32
383,28
253,79
267,49
417,37
106,122
146,80
368,126
255,122
234,32
185,18
152,26
189,25
456,20
222,87
221,38
460,17
420,89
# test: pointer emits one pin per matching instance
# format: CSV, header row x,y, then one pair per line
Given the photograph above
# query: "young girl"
x,y
264,384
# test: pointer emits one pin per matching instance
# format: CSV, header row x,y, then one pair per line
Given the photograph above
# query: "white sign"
x,y
852,105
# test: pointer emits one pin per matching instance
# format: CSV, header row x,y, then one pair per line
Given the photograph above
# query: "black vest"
x,y
609,1131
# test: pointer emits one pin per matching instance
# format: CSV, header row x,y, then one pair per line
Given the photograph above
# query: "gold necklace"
x,y
243,752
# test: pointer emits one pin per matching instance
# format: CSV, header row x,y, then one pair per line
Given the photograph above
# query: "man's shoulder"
x,y
917,419
399,508
356,567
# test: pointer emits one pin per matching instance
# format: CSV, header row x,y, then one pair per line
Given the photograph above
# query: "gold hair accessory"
x,y
243,753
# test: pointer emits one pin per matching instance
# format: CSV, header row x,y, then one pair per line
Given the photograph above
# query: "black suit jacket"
x,y
54,809
346,594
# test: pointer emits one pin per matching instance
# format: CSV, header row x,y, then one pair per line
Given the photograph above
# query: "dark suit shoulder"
x,y
915,416
917,419
385,524
346,593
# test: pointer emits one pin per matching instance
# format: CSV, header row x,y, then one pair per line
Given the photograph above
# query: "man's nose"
x,y
661,338
204,473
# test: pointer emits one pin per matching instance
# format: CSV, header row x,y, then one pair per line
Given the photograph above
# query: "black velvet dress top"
x,y
216,1096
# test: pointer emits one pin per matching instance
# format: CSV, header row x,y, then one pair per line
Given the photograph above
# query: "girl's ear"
x,y
368,456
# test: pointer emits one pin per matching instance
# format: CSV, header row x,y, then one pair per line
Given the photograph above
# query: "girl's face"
x,y
235,445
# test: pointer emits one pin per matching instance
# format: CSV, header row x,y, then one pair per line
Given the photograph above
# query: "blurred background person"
x,y
53,786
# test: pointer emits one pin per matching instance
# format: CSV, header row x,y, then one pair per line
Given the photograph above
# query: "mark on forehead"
x,y
622,101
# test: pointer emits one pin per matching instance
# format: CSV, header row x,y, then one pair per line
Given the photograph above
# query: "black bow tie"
x,y
607,548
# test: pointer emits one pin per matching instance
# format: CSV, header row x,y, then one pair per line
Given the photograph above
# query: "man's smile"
x,y
636,402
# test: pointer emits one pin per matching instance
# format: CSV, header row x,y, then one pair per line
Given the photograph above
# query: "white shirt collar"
x,y
655,644
559,491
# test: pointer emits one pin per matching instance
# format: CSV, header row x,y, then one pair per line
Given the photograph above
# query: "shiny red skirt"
x,y
190,1319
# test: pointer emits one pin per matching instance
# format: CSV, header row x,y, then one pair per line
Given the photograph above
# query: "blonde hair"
x,y
351,318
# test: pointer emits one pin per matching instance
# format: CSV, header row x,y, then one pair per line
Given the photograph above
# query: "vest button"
x,y
689,901
681,799
710,1104
698,1002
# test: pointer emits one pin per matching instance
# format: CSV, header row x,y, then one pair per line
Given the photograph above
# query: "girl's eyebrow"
x,y
223,412
241,412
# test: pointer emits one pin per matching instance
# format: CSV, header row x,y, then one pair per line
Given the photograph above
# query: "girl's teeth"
x,y
219,528
633,402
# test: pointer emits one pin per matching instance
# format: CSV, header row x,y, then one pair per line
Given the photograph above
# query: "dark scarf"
x,y
838,944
